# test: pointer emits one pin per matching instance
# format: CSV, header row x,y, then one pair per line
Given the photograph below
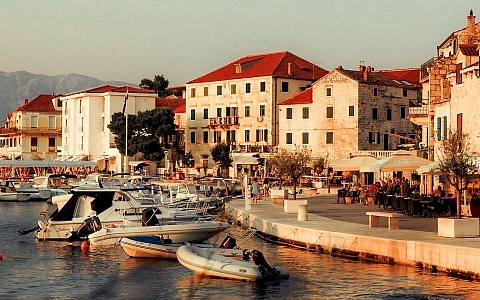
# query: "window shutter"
x,y
378,137
370,137
257,135
439,128
445,128
266,135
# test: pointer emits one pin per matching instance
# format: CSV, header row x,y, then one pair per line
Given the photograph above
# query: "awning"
x,y
245,160
399,161
354,164
136,163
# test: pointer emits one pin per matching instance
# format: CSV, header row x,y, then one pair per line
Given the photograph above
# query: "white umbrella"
x,y
354,164
399,161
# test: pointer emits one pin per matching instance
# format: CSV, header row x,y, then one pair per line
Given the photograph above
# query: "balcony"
x,y
38,130
418,111
223,121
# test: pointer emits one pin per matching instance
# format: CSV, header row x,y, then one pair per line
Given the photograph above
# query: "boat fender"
x,y
84,246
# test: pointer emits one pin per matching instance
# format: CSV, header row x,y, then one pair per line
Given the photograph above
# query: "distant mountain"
x,y
17,86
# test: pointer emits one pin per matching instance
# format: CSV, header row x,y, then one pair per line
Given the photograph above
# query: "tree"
x,y
187,160
145,131
457,164
319,165
221,156
291,164
159,84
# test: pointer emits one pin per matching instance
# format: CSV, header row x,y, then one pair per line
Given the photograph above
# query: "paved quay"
x,y
344,229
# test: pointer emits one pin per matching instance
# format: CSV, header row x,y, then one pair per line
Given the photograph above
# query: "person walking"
x,y
255,191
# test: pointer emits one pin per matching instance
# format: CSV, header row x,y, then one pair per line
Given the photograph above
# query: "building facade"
x,y
237,103
34,130
86,115
349,111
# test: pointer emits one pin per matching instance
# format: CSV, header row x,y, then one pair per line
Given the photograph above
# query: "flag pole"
x,y
125,163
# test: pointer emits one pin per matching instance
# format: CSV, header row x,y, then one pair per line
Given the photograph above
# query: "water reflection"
x,y
32,269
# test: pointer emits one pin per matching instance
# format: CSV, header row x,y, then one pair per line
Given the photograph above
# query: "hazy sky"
x,y
131,40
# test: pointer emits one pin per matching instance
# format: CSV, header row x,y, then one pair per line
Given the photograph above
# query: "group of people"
x,y
256,195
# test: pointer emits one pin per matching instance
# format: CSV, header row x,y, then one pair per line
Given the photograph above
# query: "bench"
x,y
374,217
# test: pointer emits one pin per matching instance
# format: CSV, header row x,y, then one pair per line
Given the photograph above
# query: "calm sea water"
x,y
56,270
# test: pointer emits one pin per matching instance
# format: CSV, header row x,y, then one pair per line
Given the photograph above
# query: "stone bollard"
x,y
303,212
248,198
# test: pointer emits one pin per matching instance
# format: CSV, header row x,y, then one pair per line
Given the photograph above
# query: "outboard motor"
x,y
90,225
261,262
149,218
229,242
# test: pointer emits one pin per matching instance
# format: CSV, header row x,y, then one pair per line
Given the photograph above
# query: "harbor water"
x,y
56,270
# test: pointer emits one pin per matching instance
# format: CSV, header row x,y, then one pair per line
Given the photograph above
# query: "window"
x,y
233,89
205,113
51,122
329,91
460,123
329,137
247,111
219,112
285,87
192,137
205,91
305,113
439,128
217,136
374,137
405,92
305,138
51,145
329,112
247,135
230,136
205,137
247,88
375,91
262,110
389,114
34,144
192,114
288,138
219,90
80,106
262,135
351,110
192,92
403,112
263,87
289,113
374,113
34,122
458,70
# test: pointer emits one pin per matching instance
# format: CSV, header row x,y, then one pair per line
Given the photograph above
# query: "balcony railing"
x,y
46,130
416,111
223,121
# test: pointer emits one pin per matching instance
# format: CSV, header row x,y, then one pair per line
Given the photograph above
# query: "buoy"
x,y
112,226
1,257
84,246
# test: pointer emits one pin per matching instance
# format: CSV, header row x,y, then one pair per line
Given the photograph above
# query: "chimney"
x,y
339,67
25,101
238,68
471,23
289,69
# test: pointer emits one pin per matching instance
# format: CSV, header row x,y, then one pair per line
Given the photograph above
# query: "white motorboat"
x,y
204,262
176,231
9,194
154,247
55,184
73,217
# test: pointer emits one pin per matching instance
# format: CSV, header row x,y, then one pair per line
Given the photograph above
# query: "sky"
x,y
131,40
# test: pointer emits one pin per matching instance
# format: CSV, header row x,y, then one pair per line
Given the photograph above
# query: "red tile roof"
x,y
181,109
300,98
112,88
268,64
41,103
378,78
411,75
172,102
469,49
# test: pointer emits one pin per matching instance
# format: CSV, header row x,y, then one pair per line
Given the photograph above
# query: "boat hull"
x,y
177,232
152,247
204,262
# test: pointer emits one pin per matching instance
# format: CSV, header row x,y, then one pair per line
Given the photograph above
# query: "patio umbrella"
x,y
399,161
430,169
355,163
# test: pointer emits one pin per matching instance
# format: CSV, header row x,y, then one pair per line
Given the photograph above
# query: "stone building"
x,y
237,104
349,111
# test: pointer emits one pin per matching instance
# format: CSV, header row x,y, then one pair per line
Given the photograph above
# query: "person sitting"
x,y
439,192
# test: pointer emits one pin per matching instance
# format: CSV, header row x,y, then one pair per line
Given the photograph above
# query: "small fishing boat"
x,y
154,247
204,262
